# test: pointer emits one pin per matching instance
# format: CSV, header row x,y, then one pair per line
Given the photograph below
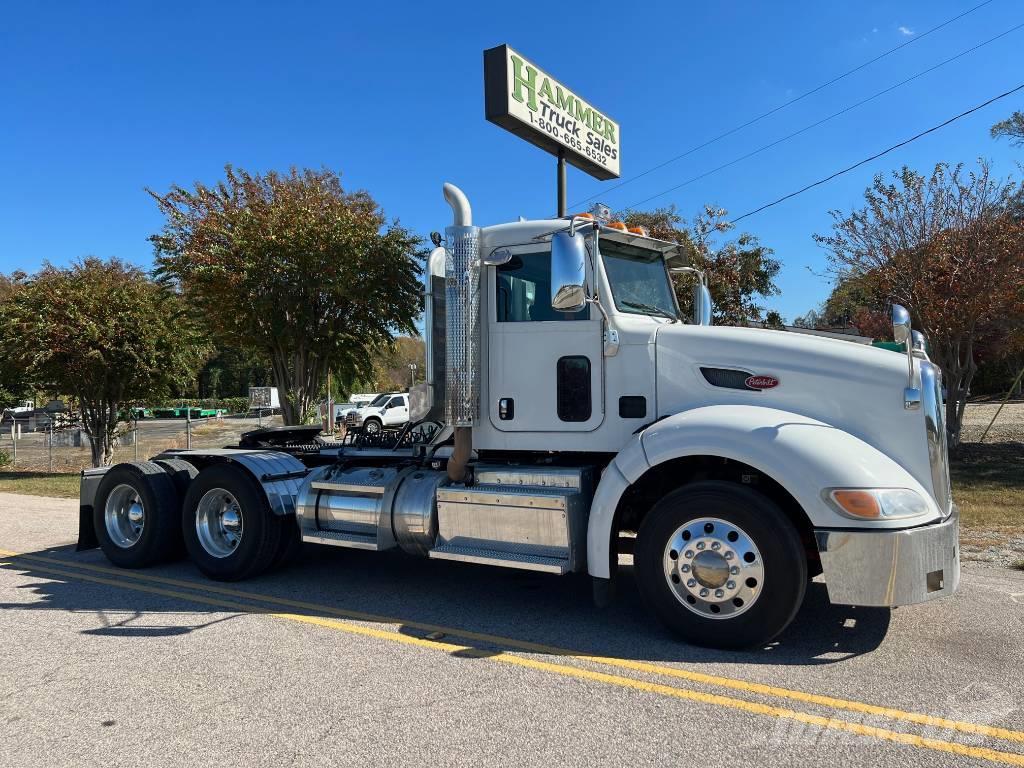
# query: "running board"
x,y
340,539
503,559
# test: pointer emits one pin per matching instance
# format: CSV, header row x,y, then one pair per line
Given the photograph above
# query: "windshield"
x,y
639,280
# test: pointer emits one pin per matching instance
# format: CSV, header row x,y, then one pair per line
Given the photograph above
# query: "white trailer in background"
x,y
575,405
263,398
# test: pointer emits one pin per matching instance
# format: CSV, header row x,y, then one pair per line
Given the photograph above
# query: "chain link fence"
x,y
67,449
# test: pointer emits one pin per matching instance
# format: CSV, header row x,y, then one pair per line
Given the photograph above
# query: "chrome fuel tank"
x,y
374,508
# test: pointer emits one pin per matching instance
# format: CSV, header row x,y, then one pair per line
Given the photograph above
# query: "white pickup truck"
x,y
581,411
387,411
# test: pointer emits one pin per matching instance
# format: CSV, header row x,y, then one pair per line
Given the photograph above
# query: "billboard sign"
x,y
525,100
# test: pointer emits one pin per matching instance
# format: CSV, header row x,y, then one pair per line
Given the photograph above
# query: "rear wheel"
x,y
229,529
134,515
720,565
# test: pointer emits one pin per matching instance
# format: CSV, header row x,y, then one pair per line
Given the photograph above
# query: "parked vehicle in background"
x,y
388,411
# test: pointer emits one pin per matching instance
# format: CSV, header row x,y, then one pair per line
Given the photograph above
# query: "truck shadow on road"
x,y
425,598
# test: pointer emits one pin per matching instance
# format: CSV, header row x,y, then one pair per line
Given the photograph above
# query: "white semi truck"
x,y
580,415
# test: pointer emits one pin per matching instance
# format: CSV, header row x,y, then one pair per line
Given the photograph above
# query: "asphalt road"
x,y
355,658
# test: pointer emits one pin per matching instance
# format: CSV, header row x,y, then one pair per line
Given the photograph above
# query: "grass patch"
x,y
63,485
988,484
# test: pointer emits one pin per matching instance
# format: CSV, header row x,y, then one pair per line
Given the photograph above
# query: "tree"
x,y
14,385
106,334
294,268
815,318
1011,128
738,270
949,248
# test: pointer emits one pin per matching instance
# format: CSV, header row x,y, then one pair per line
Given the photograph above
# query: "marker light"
x,y
619,225
642,231
878,503
582,216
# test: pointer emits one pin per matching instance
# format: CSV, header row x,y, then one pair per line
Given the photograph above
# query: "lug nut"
x,y
685,568
728,555
719,593
704,592
691,582
716,546
734,570
688,554
700,545
730,584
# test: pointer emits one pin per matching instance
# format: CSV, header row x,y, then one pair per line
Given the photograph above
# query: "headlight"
x,y
877,503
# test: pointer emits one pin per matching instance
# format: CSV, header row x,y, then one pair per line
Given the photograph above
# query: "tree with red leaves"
x,y
948,247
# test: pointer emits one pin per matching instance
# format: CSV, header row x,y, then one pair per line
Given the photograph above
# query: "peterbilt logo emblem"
x,y
761,382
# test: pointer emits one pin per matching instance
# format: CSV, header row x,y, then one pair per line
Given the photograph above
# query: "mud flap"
x,y
86,531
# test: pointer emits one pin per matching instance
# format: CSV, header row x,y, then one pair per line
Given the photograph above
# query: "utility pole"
x,y
412,375
561,183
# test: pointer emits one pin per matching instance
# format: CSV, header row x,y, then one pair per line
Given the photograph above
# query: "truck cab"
x,y
579,410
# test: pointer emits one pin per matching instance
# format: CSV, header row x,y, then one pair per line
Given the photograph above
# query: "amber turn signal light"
x,y
858,503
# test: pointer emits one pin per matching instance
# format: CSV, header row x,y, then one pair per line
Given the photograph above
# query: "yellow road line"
x,y
907,739
530,647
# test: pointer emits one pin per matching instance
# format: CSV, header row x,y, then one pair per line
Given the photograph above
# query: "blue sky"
x,y
98,101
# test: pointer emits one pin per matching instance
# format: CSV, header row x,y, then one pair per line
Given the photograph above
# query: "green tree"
x,y
14,385
949,248
295,268
738,271
105,333
1011,128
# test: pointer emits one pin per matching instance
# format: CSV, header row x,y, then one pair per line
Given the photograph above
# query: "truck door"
x,y
544,367
396,412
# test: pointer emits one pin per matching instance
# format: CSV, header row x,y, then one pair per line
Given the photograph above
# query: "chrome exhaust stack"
x,y
462,326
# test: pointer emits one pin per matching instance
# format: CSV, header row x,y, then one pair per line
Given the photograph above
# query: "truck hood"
x,y
851,386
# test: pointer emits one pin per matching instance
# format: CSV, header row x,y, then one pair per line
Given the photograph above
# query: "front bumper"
x,y
891,567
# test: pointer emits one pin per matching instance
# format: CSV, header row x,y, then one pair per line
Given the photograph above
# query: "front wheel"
x,y
720,565
373,427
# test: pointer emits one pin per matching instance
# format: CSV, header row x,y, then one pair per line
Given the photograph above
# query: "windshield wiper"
x,y
650,308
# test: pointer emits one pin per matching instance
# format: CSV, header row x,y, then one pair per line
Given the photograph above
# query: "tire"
x,y
754,583
182,474
373,427
146,535
240,534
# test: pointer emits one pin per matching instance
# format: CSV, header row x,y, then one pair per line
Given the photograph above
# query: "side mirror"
x,y
900,324
701,304
568,272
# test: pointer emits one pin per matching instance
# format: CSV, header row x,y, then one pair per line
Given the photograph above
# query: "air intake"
x,y
728,378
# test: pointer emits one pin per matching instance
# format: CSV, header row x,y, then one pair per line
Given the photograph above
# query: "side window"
x,y
573,383
523,291
396,402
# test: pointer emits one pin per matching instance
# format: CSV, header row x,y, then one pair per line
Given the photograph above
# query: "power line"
x,y
789,103
880,154
824,120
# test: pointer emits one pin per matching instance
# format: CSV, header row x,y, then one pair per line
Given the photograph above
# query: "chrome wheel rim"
x,y
372,427
219,524
124,515
714,568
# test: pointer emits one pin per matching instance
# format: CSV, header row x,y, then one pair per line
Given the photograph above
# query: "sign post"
x,y
526,101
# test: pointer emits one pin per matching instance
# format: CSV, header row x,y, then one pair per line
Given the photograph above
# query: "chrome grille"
x,y
935,428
